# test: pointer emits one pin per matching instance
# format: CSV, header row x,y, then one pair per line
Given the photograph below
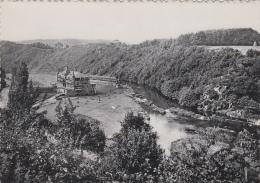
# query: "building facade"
x,y
74,83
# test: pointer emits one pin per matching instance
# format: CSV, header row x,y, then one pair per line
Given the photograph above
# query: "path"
x,y
4,97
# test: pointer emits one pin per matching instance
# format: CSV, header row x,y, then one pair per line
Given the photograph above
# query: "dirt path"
x,y
4,97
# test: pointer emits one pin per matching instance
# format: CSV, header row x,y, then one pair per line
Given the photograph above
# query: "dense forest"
x,y
211,82
69,42
225,37
72,148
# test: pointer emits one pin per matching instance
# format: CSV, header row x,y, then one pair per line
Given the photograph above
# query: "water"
x,y
169,127
153,95
167,131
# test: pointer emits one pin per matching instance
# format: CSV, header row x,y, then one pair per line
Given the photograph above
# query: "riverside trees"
x,y
22,94
28,150
182,69
35,149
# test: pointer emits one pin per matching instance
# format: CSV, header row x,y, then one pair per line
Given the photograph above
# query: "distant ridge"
x,y
197,72
69,42
97,58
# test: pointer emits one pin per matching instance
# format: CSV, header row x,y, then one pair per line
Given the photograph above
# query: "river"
x,y
169,127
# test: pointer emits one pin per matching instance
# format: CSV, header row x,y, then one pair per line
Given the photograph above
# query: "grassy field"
x,y
109,106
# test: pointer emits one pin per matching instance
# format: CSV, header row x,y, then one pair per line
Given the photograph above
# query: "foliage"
x,y
28,150
179,68
20,138
253,53
34,149
78,132
224,37
211,156
60,46
22,95
134,154
2,78
30,153
41,45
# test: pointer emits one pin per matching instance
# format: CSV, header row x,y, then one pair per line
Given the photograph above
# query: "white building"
x,y
74,83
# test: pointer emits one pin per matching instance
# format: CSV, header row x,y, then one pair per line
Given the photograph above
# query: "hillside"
x,y
223,82
242,49
69,42
223,37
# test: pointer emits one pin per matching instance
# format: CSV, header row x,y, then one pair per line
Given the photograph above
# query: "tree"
x,y
20,137
2,78
252,53
22,76
213,155
78,131
21,95
135,152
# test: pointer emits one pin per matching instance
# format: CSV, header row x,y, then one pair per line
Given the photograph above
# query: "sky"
x,y
128,22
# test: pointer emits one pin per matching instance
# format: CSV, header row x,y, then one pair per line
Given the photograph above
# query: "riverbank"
x,y
174,110
167,106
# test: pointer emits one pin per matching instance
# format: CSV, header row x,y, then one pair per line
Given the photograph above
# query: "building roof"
x,y
69,73
79,75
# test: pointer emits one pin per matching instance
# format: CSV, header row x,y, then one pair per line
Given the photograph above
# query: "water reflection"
x,y
167,129
153,95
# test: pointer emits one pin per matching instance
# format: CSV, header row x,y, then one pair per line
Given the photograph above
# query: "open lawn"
x,y
109,106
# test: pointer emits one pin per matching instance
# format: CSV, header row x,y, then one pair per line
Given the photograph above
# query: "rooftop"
x,y
70,73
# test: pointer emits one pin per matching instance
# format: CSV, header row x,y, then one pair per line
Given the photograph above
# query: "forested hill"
x,y
69,42
221,82
225,37
42,59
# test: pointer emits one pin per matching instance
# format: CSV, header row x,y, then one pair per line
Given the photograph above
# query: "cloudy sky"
x,y
127,22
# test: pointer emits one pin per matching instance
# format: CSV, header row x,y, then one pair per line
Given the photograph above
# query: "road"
x,y
4,97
